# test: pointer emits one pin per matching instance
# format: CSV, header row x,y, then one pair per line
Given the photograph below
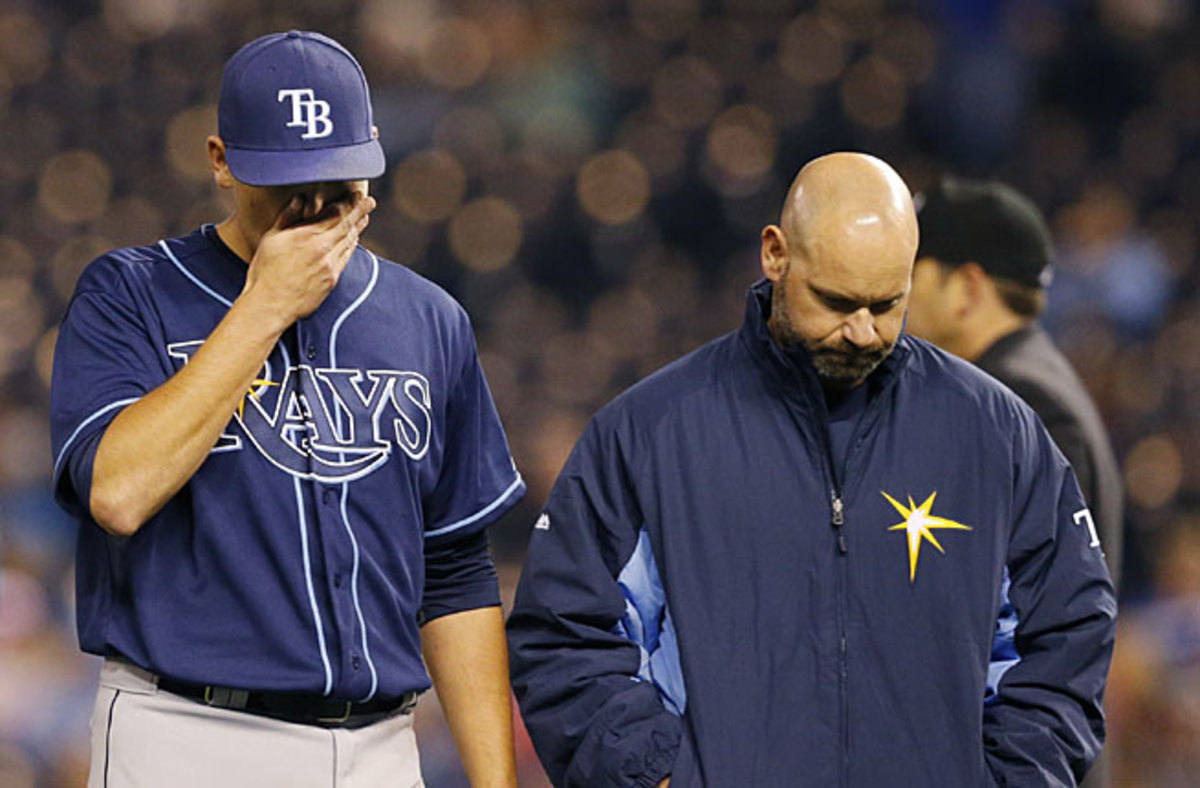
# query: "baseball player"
x,y
283,455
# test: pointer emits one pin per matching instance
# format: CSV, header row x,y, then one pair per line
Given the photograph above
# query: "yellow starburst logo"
x,y
919,524
255,384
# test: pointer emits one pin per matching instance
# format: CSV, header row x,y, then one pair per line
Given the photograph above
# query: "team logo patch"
x,y
328,424
919,524
308,112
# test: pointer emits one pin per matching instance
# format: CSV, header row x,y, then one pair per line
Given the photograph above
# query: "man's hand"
x,y
155,445
299,260
665,783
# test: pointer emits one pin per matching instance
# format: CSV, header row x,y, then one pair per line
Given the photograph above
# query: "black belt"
x,y
294,707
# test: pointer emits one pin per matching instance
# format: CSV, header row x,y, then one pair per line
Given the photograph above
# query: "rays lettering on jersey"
x,y
331,425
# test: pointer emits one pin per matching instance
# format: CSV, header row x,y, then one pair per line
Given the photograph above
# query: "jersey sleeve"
x,y
478,481
104,360
575,670
459,576
1045,724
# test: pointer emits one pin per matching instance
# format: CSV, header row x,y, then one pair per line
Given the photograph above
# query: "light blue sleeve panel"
x,y
647,622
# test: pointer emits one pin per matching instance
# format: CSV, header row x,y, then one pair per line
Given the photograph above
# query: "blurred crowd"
x,y
589,177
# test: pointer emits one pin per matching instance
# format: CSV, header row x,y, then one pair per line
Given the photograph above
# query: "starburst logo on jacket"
x,y
919,524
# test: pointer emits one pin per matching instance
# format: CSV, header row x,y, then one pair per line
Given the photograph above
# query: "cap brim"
x,y
284,168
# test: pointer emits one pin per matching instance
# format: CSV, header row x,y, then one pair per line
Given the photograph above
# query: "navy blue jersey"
x,y
708,595
293,559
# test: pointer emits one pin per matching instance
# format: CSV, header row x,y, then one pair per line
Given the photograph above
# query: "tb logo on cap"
x,y
308,111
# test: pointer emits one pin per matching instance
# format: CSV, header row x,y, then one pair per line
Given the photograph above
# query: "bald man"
x,y
816,551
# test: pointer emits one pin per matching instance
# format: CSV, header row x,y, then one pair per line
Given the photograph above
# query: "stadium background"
x,y
589,177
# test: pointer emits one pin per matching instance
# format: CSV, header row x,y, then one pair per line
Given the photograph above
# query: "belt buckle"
x,y
226,697
345,715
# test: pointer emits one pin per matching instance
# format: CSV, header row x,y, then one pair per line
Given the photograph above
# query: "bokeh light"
x,y
687,92
729,46
812,50
429,186
94,57
1153,471
559,136
142,20
910,46
472,134
628,59
186,132
526,181
21,316
613,187
75,186
455,53
25,48
486,234
859,19
134,221
24,447
661,148
15,258
664,20
742,142
873,94
790,103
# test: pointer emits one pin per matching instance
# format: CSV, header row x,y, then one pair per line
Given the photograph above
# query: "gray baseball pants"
x,y
146,738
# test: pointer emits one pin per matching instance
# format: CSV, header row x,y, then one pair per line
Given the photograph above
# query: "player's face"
x,y
933,304
843,303
260,206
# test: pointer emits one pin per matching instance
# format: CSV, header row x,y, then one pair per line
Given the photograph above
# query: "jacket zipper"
x,y
839,522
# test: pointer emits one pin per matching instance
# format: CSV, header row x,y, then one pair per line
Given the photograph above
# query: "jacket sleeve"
x,y
592,719
1044,725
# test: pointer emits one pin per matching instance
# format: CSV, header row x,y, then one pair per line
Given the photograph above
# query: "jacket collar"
x,y
793,367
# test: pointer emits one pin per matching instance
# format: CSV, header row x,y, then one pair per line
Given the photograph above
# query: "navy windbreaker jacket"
x,y
704,597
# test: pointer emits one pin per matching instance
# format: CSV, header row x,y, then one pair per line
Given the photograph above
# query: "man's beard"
x,y
840,365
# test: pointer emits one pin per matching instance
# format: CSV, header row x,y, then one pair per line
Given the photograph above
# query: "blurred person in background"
x,y
727,587
283,455
979,285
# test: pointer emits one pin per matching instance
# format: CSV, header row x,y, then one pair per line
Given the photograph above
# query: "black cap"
x,y
988,223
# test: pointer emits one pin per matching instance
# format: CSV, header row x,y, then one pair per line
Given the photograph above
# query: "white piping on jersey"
x,y
312,599
287,362
62,453
480,514
195,280
362,625
337,324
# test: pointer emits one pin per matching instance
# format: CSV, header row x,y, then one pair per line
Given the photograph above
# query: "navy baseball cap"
x,y
295,108
985,222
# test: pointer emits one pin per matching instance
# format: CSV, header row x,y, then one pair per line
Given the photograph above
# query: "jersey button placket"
x,y
341,623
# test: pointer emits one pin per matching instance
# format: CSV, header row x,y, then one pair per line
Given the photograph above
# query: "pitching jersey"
x,y
293,559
